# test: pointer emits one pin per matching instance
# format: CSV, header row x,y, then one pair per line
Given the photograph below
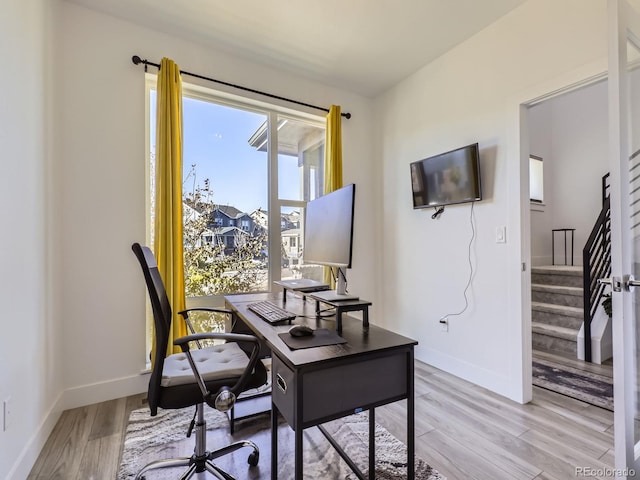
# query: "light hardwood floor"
x,y
462,430
606,369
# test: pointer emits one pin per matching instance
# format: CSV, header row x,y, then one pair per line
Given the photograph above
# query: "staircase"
x,y
556,308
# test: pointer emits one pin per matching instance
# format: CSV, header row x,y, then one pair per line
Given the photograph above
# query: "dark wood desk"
x,y
315,385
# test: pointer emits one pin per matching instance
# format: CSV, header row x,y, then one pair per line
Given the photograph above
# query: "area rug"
x,y
150,438
572,382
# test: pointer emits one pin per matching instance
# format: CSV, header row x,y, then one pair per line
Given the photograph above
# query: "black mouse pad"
x,y
320,338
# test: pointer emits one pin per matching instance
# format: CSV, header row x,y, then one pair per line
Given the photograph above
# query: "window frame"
x,y
273,113
533,201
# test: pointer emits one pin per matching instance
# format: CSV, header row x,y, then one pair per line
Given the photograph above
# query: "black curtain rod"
x,y
137,61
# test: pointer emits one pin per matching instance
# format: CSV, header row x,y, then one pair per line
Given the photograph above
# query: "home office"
x,y
75,120
321,366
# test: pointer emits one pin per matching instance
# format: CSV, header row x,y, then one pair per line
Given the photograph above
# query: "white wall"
x,y
102,180
571,133
30,357
472,94
73,157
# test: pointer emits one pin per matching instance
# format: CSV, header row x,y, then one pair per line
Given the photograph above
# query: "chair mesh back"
x,y
161,317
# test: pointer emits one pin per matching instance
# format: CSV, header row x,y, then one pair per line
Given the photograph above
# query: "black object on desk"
x,y
303,285
320,338
270,312
343,306
312,386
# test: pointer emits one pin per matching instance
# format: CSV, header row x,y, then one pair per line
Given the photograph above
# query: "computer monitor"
x,y
328,233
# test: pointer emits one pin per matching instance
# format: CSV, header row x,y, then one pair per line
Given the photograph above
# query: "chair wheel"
x,y
253,458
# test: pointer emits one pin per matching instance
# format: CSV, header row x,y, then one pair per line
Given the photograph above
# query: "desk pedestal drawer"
x,y
335,391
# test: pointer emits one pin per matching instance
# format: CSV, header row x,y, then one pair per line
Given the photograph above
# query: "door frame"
x,y
624,26
520,218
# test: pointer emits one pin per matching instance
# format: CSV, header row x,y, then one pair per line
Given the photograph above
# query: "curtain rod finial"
x,y
347,115
136,60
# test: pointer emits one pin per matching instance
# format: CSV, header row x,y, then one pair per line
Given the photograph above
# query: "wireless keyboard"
x,y
270,312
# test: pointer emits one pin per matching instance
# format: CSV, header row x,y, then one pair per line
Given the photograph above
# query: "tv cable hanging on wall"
x,y
443,319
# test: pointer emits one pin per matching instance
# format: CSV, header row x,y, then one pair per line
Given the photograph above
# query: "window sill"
x,y
537,207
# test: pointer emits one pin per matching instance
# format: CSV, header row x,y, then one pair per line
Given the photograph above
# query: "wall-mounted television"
x,y
447,178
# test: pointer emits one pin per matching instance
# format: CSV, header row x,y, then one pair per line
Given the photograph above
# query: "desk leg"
x,y
274,441
365,318
339,320
372,444
298,454
411,435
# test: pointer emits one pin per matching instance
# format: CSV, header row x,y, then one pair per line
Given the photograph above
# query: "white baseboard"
x,y
104,391
27,458
68,399
468,371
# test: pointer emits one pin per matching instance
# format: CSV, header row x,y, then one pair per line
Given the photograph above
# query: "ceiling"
x,y
363,46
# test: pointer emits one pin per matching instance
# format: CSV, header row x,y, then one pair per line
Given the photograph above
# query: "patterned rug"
x,y
572,382
150,438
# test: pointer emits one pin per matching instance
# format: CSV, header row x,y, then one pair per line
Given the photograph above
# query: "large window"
x,y
243,199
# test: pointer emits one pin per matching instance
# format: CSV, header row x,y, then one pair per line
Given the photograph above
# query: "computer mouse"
x,y
300,331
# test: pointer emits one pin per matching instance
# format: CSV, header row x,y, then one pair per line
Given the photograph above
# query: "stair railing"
x,y
596,261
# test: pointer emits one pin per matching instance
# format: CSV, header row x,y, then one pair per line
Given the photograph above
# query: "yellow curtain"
x,y
332,162
333,151
168,198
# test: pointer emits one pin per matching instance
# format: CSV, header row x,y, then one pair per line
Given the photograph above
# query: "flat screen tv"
x,y
447,178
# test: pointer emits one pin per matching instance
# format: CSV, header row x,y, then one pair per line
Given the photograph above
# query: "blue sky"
x,y
216,141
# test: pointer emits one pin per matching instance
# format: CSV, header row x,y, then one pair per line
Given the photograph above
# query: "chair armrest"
x,y
185,312
185,316
237,388
183,342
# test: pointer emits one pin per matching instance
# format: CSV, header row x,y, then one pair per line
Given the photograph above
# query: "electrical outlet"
x,y
444,324
7,409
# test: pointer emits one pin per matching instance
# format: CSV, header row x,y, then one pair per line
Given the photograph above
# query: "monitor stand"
x,y
340,293
341,284
302,285
334,296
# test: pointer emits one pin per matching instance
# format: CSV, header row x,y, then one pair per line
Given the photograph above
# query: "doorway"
x,y
568,138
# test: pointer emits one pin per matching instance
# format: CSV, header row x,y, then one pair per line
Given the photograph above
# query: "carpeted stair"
x,y
556,308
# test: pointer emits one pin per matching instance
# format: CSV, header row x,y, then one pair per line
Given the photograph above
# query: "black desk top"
x,y
358,342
